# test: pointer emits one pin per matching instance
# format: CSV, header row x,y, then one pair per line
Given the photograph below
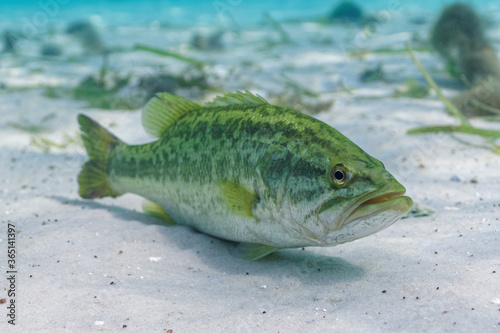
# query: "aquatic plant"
x,y
483,99
459,37
284,36
298,87
346,12
456,23
106,89
387,50
464,127
170,54
88,35
10,39
100,90
418,211
290,99
27,125
296,96
49,49
46,144
412,89
212,41
102,95
150,85
57,92
193,77
362,53
372,74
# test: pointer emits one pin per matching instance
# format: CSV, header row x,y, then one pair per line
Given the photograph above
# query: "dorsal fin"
x,y
237,98
163,110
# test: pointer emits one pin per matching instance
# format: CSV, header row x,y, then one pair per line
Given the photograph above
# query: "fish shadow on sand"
x,y
307,266
117,211
296,264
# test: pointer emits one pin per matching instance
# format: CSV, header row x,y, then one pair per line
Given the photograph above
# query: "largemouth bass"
x,y
243,170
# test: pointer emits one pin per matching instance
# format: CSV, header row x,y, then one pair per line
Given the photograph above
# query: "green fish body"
x,y
243,170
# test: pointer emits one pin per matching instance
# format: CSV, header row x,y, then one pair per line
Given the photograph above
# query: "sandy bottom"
x,y
104,265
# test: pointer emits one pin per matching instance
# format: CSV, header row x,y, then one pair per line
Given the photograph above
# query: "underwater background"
x,y
195,12
198,12
228,35
89,265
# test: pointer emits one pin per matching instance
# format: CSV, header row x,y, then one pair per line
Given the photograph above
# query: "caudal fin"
x,y
93,179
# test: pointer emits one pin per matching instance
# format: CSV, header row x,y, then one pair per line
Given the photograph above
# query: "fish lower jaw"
x,y
397,204
362,227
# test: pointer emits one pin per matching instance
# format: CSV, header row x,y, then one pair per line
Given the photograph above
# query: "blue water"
x,y
194,12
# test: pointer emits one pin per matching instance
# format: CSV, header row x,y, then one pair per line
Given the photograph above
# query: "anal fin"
x,y
156,210
253,252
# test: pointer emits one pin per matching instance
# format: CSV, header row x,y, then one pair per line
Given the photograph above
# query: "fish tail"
x,y
93,179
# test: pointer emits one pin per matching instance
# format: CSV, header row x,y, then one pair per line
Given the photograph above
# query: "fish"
x,y
243,170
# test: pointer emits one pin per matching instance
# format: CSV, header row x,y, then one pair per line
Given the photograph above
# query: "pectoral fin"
x,y
156,210
253,252
238,199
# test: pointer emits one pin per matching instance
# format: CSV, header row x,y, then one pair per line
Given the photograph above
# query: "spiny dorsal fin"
x,y
163,110
237,98
238,199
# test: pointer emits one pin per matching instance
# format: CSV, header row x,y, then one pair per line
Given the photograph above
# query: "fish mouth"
x,y
377,202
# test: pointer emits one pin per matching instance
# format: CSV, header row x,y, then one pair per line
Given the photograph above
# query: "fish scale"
x,y
241,169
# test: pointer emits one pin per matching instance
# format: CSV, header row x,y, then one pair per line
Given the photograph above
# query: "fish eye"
x,y
340,175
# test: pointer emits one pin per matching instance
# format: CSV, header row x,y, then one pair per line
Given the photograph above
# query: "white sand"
x,y
99,265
